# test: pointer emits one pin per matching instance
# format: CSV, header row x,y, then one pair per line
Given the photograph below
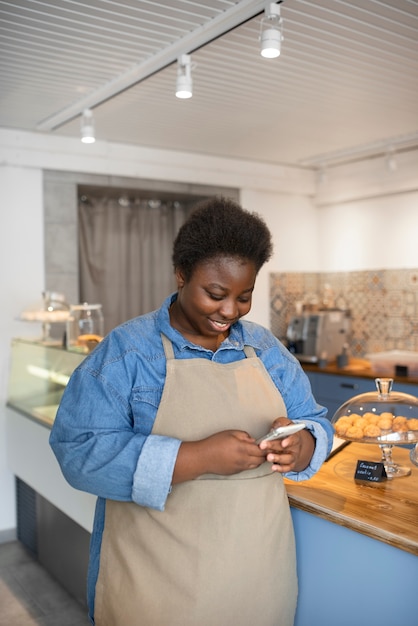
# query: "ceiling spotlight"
x,y
184,86
271,36
87,127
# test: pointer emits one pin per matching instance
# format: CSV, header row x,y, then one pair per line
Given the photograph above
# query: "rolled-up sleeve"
x,y
320,454
154,471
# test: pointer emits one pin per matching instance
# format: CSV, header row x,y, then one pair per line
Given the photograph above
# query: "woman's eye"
x,y
218,298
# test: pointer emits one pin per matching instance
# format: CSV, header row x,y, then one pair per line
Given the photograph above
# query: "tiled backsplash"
x,y
383,305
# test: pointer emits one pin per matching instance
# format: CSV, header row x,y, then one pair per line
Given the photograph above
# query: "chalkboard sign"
x,y
370,470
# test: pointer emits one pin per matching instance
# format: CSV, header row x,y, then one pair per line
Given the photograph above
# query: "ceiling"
x,y
345,84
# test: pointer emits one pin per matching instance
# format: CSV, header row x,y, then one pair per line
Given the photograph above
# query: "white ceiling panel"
x,y
347,77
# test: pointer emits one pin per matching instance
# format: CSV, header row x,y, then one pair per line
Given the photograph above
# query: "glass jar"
x,y
85,327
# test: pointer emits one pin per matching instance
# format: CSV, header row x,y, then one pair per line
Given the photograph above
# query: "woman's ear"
x,y
179,278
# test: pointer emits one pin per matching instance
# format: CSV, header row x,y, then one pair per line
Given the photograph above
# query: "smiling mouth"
x,y
221,326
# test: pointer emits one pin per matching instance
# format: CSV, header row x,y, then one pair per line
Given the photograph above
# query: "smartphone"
x,y
282,431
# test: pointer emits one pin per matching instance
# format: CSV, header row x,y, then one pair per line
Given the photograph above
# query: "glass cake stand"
x,y
414,455
383,417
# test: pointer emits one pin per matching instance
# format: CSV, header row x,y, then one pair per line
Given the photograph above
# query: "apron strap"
x,y
168,347
169,351
250,352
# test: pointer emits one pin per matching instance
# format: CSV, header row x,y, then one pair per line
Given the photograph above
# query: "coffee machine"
x,y
315,335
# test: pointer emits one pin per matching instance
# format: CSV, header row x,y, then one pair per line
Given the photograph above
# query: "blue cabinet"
x,y
347,579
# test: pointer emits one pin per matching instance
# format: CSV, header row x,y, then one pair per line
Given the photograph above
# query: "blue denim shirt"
x,y
101,435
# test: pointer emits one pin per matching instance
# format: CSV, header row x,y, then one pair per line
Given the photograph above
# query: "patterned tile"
x,y
377,325
360,327
413,324
395,279
376,305
358,303
358,347
375,280
394,302
311,282
412,279
357,281
396,328
294,283
383,305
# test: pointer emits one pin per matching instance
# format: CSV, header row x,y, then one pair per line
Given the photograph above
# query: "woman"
x,y
161,422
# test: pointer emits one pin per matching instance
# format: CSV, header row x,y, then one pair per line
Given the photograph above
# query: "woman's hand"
x,y
292,454
227,452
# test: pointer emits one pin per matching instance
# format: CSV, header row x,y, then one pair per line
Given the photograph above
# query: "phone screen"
x,y
282,431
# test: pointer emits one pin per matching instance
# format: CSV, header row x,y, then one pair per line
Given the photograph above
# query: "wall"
x,y
367,215
366,228
374,233
294,224
22,280
383,305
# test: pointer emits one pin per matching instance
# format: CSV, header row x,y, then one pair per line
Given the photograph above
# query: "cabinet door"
x,y
406,388
331,391
342,388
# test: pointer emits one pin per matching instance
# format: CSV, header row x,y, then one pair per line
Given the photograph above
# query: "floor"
x,y
29,596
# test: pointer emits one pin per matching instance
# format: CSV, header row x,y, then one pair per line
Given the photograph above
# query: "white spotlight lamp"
x,y
87,127
271,36
184,86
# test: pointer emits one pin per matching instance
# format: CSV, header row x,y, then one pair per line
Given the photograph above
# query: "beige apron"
x,y
222,553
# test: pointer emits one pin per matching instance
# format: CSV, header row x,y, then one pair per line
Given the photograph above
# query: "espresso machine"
x,y
318,335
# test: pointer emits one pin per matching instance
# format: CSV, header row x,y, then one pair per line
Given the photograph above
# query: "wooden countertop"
x,y
386,511
359,368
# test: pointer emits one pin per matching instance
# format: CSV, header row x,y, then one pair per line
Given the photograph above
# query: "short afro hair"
x,y
219,227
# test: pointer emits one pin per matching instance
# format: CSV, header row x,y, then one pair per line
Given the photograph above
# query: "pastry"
x,y
354,432
372,418
341,427
400,424
385,421
371,430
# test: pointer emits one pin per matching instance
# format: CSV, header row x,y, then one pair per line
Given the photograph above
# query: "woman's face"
x,y
217,295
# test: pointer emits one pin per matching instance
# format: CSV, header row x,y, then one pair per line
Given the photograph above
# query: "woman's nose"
x,y
228,309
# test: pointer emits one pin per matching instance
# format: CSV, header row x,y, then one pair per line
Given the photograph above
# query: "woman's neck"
x,y
210,343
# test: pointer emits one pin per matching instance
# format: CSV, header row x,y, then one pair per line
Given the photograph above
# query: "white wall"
x,y
22,276
367,215
378,233
293,221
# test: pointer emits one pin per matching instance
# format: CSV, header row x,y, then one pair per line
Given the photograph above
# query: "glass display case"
x,y
38,376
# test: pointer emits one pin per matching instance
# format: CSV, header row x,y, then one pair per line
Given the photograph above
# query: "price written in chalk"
x,y
370,471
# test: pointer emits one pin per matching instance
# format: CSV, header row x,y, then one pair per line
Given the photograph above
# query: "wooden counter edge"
x,y
403,543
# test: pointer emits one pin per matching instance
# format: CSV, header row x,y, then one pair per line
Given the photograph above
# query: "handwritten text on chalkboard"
x,y
371,471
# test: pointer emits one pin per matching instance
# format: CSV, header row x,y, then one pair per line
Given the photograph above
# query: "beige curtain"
x,y
125,247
